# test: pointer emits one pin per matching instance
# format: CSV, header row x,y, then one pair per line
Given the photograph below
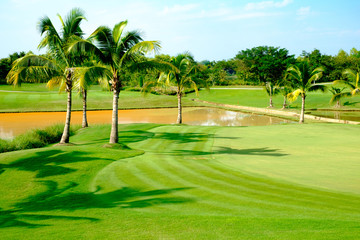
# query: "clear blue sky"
x,y
209,29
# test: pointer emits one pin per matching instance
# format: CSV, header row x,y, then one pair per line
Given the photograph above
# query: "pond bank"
x,y
269,111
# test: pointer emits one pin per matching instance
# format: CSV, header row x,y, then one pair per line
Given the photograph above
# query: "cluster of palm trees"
x,y
300,79
73,62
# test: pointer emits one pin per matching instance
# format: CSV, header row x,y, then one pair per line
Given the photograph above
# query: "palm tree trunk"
x,y
66,133
84,119
116,85
302,109
284,103
179,118
271,102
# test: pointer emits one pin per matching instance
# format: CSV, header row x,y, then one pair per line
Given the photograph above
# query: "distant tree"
x,y
301,79
338,94
267,64
351,80
5,65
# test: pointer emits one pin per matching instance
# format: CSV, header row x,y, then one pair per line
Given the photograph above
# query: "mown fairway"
x,y
187,182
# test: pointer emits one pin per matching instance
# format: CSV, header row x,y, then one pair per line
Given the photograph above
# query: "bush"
x,y
36,138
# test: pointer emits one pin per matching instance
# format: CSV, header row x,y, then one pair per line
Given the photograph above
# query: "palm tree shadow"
x,y
48,163
227,150
14,218
55,198
64,198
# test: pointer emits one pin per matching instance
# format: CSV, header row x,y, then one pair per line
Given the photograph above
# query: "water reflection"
x,y
343,115
12,124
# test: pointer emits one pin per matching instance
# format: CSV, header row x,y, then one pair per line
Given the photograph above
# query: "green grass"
x,y
36,97
259,98
35,138
186,182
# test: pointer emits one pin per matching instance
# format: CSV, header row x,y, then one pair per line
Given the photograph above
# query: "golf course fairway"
x,y
186,182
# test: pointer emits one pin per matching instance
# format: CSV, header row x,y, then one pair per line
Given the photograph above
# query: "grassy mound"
x,y
186,182
36,138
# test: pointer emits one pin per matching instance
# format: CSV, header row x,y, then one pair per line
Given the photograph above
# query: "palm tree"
x,y
272,90
301,78
116,50
351,81
338,94
59,67
179,73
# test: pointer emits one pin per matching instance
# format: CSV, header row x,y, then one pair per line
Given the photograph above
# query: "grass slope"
x,y
186,182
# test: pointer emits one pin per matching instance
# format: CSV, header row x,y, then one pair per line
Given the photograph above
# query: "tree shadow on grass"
x,y
348,103
227,150
48,163
14,218
55,198
66,199
139,135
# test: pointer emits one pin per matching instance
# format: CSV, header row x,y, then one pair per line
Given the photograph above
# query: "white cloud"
x,y
180,8
303,12
252,15
267,4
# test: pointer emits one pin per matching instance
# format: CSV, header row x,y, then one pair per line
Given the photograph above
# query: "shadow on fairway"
x,y
48,163
139,135
55,198
227,150
11,218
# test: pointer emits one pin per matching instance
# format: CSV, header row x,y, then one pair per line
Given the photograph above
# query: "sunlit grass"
x,y
186,182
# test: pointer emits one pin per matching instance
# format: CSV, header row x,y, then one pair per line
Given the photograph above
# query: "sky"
x,y
208,29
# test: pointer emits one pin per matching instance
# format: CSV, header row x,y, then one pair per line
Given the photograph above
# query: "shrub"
x,y
35,138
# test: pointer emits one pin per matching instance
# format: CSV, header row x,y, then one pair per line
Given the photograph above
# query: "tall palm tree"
x,y
117,51
182,66
301,78
59,67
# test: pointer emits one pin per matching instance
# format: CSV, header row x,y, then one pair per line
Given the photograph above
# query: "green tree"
x,y
338,94
301,80
351,81
267,64
59,68
117,51
180,74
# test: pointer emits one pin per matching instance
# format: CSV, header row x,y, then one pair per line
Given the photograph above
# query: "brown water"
x,y
343,115
13,124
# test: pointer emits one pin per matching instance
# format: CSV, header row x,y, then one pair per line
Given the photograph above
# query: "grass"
x,y
259,98
31,95
186,182
35,138
36,97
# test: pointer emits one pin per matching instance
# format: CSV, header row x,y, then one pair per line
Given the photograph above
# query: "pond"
x,y
13,124
343,115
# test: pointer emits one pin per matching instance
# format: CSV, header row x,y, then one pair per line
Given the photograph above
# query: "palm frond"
x,y
317,87
142,48
118,31
338,96
294,95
